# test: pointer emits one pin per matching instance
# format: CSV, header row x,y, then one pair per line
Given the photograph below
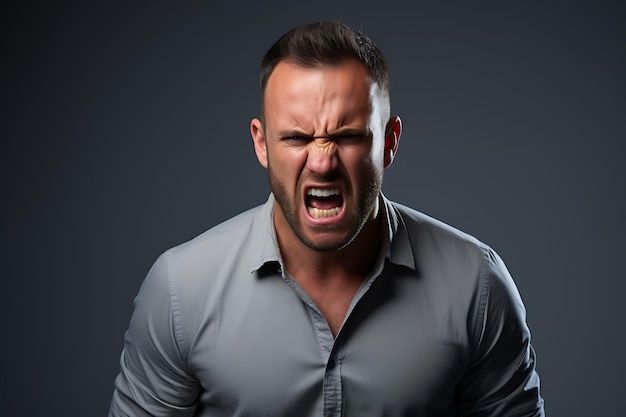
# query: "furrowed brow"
x,y
291,133
349,131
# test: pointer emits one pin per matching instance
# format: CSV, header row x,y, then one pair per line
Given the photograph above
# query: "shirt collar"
x,y
264,234
397,247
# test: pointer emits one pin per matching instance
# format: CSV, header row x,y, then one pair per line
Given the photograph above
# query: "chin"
x,y
328,243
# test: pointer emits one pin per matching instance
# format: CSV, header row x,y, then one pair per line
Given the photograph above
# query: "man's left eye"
x,y
348,139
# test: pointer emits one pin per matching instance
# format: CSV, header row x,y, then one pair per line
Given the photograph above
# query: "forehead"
x,y
345,87
287,71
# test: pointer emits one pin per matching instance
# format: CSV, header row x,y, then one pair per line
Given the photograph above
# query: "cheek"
x,y
362,160
287,164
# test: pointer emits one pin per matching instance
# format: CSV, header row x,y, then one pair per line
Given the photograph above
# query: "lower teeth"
x,y
319,213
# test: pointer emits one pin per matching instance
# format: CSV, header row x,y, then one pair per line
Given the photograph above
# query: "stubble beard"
x,y
367,198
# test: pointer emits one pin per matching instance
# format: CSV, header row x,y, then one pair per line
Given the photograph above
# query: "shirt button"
x,y
331,364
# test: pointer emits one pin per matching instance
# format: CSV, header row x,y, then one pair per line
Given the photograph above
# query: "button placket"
x,y
333,395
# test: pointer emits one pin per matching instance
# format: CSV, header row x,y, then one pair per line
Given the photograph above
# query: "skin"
x,y
326,128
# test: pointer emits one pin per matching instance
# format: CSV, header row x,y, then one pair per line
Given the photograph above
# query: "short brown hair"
x,y
327,43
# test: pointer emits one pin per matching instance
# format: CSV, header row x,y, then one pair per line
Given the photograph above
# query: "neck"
x,y
354,261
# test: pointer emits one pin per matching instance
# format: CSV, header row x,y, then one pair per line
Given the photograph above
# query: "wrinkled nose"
x,y
322,156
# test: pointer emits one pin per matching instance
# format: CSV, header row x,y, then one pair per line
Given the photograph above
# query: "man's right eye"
x,y
295,139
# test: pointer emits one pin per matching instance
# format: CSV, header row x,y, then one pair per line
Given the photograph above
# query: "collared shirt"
x,y
220,328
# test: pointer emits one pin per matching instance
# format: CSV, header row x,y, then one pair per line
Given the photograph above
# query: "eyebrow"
x,y
290,133
341,132
350,131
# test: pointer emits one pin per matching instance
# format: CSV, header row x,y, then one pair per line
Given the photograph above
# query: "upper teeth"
x,y
322,192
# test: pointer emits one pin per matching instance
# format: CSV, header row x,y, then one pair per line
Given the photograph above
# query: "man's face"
x,y
323,144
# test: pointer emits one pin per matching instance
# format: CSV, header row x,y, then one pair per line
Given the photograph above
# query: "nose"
x,y
322,156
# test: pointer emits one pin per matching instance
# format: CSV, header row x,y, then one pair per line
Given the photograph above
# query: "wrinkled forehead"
x,y
317,65
348,83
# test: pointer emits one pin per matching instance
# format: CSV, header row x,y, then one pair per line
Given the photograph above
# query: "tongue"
x,y
325,203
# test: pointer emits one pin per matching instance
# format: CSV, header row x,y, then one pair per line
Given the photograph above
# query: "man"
x,y
329,299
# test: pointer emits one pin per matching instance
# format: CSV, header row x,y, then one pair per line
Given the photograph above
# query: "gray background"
x,y
125,132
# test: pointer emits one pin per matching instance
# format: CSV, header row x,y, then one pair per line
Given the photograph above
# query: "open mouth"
x,y
323,202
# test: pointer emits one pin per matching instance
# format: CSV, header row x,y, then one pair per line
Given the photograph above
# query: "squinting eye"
x,y
295,139
349,139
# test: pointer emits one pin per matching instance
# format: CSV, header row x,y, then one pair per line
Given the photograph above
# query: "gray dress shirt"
x,y
220,328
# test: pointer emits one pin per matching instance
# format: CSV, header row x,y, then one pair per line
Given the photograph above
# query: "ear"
x,y
392,138
258,137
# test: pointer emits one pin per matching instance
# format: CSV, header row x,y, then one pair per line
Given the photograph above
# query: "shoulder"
x,y
208,269
432,239
465,269
230,240
220,235
447,253
195,268
454,267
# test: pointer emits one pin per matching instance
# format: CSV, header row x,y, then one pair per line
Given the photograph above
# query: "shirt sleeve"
x,y
501,379
154,379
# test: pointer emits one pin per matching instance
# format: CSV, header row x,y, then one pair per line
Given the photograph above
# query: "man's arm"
x,y
501,379
154,379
